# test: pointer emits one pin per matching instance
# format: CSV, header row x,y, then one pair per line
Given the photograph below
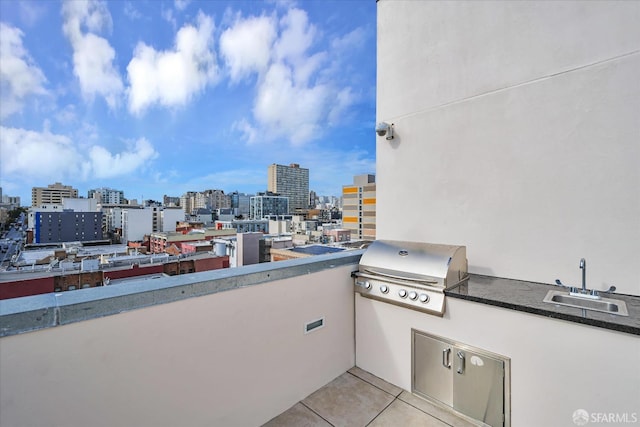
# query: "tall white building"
x,y
169,217
136,223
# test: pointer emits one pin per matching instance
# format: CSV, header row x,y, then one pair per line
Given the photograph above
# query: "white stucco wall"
x,y
517,134
136,224
557,367
235,358
170,217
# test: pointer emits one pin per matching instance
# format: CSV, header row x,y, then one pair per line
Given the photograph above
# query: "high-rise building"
x,y
52,194
290,181
264,205
240,203
170,201
314,200
189,202
107,196
209,199
216,199
359,207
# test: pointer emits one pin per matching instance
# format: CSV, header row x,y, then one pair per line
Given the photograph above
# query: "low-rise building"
x,y
107,196
67,226
265,204
337,235
244,225
159,242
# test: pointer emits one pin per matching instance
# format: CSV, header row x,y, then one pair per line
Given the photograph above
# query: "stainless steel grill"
x,y
411,274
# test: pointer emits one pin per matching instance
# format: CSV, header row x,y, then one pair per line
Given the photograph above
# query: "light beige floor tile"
x,y
402,414
348,401
297,416
435,410
372,379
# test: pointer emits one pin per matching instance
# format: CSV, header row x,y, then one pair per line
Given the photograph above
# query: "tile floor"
x,y
358,399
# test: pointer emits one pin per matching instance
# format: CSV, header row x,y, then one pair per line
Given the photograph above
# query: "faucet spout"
x,y
583,267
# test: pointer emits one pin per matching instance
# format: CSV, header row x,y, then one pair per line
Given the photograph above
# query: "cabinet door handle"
x,y
446,362
460,369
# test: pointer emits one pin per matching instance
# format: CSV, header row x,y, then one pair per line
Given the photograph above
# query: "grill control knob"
x,y
364,284
384,289
424,298
402,293
413,295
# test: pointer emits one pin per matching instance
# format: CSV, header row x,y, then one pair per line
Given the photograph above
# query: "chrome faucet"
x,y
583,267
574,291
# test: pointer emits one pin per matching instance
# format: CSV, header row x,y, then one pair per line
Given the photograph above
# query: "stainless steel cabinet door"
x,y
478,386
432,368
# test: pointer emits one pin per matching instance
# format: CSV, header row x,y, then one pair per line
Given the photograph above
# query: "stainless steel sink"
x,y
605,305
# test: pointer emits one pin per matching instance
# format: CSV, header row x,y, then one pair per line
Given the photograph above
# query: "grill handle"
x,y
393,276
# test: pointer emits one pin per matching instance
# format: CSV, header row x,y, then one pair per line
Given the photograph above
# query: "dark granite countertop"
x,y
527,297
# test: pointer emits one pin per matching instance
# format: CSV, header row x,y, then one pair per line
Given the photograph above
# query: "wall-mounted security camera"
x,y
383,129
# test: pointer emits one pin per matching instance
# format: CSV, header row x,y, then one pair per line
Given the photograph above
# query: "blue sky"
x,y
162,97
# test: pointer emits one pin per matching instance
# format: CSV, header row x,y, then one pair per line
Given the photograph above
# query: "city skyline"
x,y
163,98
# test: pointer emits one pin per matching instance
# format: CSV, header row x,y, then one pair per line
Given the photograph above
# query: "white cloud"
x,y
131,12
103,164
341,102
249,132
66,115
93,56
171,78
296,97
167,15
296,37
352,40
27,155
246,47
289,110
181,4
20,77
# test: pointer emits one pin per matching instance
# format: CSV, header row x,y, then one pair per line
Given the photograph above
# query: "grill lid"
x,y
435,265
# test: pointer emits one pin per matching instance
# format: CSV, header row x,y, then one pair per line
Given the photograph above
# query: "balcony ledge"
x,y
20,315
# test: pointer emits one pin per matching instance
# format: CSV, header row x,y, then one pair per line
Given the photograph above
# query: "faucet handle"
x,y
562,285
596,293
